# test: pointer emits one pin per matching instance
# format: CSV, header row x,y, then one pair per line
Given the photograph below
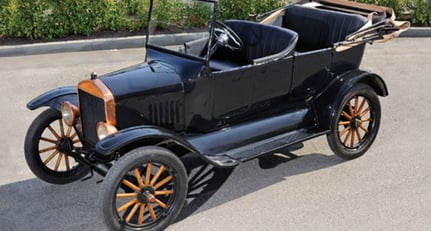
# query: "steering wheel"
x,y
224,36
234,42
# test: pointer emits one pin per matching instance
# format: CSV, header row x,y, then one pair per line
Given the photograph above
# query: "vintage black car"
x,y
238,91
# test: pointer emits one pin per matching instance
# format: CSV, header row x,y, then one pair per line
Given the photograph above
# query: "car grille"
x,y
92,111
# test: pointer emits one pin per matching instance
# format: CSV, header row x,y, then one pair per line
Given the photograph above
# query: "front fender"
x,y
54,98
138,135
327,103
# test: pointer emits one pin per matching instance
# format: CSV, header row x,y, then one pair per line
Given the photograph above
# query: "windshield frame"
x,y
212,24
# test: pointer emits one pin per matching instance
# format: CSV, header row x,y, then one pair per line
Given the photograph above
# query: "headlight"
x,y
104,130
69,112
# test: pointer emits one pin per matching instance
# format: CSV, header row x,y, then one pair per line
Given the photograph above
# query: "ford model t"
x,y
238,91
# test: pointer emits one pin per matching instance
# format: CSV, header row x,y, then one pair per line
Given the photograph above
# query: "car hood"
x,y
153,78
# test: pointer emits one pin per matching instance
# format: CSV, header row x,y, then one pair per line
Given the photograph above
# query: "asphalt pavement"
x,y
389,188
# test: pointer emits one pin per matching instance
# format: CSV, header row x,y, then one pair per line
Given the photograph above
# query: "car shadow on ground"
x,y
36,205
210,186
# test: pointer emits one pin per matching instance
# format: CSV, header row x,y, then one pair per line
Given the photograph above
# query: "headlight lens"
x,y
104,130
69,112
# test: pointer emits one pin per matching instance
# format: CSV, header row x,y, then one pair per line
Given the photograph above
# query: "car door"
x,y
242,93
232,93
271,81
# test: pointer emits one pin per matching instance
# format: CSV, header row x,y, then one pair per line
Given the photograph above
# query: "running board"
x,y
267,146
221,141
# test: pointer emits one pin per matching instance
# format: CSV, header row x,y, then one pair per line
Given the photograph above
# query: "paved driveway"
x,y
387,189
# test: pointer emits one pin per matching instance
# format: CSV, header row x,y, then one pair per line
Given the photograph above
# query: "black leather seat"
x,y
318,28
262,43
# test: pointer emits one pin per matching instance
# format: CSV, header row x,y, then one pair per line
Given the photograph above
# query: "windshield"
x,y
181,26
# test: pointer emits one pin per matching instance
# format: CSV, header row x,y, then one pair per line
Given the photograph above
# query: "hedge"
x,y
417,11
49,19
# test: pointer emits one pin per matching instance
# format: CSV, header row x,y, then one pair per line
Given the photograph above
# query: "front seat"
x,y
262,43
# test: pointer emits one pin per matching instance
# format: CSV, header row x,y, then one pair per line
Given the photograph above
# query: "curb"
x,y
133,42
417,32
95,44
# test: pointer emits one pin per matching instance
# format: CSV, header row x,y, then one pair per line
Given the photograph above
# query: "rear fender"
x,y
54,98
131,138
327,103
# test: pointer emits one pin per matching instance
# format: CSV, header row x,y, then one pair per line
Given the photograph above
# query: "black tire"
x,y
127,201
42,153
356,123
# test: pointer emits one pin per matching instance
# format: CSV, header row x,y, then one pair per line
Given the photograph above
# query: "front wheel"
x,y
45,149
144,190
356,123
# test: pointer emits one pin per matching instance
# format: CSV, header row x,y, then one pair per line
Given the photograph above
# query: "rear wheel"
x,y
356,123
46,143
144,190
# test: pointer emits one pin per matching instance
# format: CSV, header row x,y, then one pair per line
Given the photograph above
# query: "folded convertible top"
x,y
380,27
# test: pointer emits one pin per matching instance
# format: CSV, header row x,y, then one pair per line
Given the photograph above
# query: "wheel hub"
x,y
146,195
65,145
355,122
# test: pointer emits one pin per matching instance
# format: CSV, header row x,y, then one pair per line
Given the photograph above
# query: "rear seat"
x,y
317,28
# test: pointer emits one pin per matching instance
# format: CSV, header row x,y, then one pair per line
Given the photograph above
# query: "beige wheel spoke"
x,y
163,205
347,138
131,185
365,112
148,173
54,132
362,105
73,135
57,164
126,195
358,135
345,114
344,123
76,141
352,112
356,104
363,128
60,121
139,178
152,213
366,120
141,214
162,182
344,131
50,157
69,130
352,138
158,173
132,212
66,160
49,140
47,149
164,192
126,205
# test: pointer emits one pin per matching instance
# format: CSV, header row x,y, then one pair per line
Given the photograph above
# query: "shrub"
x,y
421,11
198,14
137,14
29,19
245,9
168,12
47,19
397,5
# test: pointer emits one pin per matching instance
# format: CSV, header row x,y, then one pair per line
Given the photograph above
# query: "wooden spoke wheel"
x,y
47,143
356,123
144,190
